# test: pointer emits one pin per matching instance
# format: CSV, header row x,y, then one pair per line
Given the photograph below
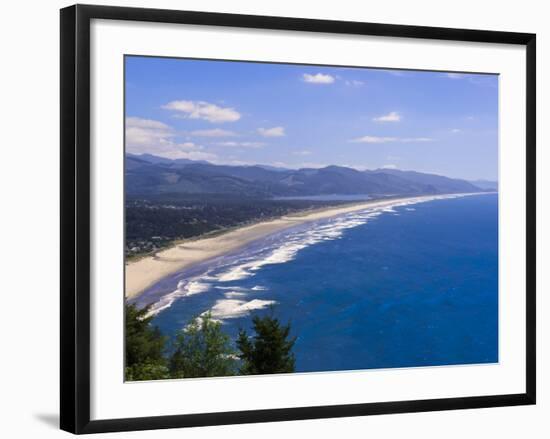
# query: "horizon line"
x,y
283,168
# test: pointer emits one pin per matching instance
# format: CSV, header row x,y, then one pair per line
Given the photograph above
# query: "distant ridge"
x,y
487,185
151,175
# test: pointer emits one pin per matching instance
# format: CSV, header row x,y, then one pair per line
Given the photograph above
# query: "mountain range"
x,y
151,175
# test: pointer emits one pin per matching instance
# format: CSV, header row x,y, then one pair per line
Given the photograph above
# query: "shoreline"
x,y
145,272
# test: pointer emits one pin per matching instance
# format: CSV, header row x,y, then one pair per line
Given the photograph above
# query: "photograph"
x,y
296,218
275,219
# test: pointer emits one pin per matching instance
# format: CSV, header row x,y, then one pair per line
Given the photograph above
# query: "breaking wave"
x,y
279,248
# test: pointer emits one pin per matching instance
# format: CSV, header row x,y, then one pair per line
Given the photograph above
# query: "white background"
x,y
29,182
111,398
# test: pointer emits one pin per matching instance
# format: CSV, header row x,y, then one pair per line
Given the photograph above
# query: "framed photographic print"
x,y
268,218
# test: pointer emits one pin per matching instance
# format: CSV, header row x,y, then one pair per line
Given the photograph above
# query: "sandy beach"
x,y
145,272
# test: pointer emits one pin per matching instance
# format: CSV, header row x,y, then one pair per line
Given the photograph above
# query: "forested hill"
x,y
151,175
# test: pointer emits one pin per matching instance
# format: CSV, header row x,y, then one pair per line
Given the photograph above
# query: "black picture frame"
x,y
75,217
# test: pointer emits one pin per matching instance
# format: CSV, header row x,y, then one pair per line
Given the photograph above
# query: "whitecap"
x,y
233,294
230,288
233,308
319,231
277,252
184,288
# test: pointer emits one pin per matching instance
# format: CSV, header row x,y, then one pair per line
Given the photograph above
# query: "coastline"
x,y
145,272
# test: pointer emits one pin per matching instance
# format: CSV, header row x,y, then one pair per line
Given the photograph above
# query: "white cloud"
x,y
456,130
302,153
315,165
318,78
355,82
375,139
396,72
189,145
203,110
242,144
154,137
252,144
455,75
279,164
145,131
146,123
234,162
392,116
216,132
390,166
356,167
272,132
193,155
482,80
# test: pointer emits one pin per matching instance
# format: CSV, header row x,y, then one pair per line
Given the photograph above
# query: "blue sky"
x,y
310,116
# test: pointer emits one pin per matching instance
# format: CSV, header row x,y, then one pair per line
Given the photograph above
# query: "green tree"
x,y
202,350
144,347
269,350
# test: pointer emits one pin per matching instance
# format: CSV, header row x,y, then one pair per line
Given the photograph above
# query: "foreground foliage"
x,y
145,347
269,350
202,349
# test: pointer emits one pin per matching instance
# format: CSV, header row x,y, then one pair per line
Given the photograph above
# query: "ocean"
x,y
406,286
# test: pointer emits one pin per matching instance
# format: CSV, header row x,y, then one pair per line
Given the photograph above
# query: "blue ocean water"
x,y
413,285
